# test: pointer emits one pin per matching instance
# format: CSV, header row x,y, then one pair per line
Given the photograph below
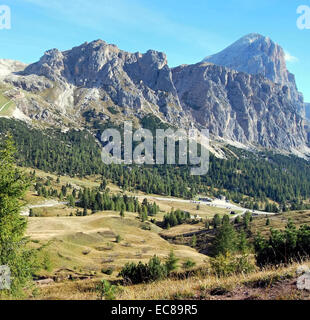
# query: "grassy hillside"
x,y
88,244
6,106
82,250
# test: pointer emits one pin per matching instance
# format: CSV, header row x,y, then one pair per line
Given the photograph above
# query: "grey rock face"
x,y
307,107
256,54
129,80
235,106
240,107
10,66
32,83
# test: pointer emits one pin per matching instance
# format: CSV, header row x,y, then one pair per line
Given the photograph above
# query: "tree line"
x,y
250,179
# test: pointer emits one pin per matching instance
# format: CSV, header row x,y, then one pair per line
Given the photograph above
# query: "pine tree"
x,y
194,241
216,221
171,263
225,240
71,201
243,245
13,250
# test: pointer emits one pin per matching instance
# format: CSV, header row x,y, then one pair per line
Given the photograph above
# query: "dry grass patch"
x,y
89,243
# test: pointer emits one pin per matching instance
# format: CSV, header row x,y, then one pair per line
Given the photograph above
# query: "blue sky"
x,y
186,31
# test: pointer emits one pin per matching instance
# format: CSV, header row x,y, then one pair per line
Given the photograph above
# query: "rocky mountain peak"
x,y
91,64
243,95
255,54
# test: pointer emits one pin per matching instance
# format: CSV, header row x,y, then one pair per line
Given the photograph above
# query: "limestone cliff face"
x,y
240,107
257,106
129,80
308,111
256,54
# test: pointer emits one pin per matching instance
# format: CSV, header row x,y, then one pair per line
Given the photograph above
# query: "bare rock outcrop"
x,y
244,94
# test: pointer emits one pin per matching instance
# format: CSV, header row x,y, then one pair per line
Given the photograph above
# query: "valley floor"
x,y
82,249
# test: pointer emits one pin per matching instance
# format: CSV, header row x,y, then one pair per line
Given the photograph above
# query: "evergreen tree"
x,y
194,241
216,221
171,263
243,245
225,240
247,218
71,201
13,244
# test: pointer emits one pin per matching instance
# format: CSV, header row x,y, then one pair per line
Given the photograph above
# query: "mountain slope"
x,y
308,111
9,66
256,54
132,81
240,107
111,85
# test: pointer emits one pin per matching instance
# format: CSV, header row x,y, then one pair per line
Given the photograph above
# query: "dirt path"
x,y
2,108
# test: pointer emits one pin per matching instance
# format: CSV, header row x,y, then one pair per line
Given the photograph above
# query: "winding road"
x,y
215,203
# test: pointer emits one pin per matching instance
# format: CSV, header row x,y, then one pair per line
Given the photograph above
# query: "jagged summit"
x,y
237,107
255,54
98,63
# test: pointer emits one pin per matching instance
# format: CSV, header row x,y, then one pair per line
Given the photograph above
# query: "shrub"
x,y
188,264
106,290
143,273
107,271
226,265
283,246
146,227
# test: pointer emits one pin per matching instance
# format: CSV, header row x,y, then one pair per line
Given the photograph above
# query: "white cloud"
x,y
290,58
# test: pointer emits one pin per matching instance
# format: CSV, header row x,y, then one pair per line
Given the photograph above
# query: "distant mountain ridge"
x,y
236,106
